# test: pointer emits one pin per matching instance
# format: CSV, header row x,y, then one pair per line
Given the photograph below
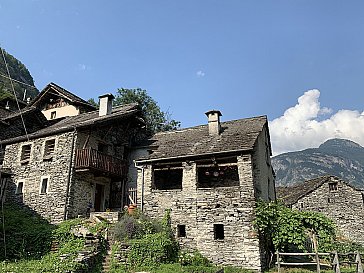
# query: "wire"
x,y
16,99
14,80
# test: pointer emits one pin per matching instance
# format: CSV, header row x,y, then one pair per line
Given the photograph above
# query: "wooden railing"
x,y
95,160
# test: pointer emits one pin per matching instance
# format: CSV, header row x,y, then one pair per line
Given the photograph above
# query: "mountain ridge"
x,y
340,157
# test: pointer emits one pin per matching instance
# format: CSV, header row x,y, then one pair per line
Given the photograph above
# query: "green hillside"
x,y
18,72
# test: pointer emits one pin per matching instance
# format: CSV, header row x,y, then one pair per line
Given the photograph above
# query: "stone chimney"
x,y
105,102
213,117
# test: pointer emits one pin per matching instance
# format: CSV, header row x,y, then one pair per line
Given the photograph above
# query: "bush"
x,y
135,226
193,258
153,249
27,235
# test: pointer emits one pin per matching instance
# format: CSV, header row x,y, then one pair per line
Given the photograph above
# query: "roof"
x,y
82,120
12,125
60,91
291,194
236,135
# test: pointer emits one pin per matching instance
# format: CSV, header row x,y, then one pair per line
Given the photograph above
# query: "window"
x,y
25,152
44,185
219,232
218,176
49,147
168,177
333,186
181,231
53,114
19,188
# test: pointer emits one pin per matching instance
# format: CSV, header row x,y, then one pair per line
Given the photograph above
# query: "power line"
x,y
16,99
6,77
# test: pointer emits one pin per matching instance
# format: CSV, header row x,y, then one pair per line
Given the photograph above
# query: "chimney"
x,y
105,102
213,117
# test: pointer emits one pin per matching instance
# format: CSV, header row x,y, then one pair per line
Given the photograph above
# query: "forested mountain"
x,y
18,72
339,157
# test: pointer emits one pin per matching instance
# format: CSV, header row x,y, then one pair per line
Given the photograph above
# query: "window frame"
x,y
23,159
17,187
333,186
41,185
46,153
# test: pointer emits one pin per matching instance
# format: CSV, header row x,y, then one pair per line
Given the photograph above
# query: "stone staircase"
x,y
107,259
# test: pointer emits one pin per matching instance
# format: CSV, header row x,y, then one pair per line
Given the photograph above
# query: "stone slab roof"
x,y
82,120
236,135
291,194
60,92
12,125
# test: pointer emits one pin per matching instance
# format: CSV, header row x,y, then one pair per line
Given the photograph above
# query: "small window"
x,y
44,185
49,147
19,188
219,232
301,205
181,231
25,152
328,200
53,115
333,186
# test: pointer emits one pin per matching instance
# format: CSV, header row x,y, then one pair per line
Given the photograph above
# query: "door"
x,y
99,197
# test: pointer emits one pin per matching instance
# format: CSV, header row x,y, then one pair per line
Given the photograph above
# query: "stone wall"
x,y
344,206
199,209
50,205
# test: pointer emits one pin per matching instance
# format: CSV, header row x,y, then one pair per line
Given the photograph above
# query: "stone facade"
x,y
53,186
51,203
340,202
215,220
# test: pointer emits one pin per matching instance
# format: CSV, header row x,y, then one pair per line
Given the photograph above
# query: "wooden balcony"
x,y
97,162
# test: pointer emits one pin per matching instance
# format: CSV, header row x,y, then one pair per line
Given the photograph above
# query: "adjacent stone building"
x,y
67,167
333,197
210,177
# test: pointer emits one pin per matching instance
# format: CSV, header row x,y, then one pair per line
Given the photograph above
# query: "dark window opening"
x,y
53,114
49,147
333,186
328,200
103,148
44,185
219,232
181,231
25,152
19,188
218,176
301,205
168,178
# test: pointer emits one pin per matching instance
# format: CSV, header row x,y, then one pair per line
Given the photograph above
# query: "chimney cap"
x,y
213,112
109,95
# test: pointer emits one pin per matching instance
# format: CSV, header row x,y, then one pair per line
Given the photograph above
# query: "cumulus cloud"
x,y
307,125
200,73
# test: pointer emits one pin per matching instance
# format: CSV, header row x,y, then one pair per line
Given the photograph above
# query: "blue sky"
x,y
245,58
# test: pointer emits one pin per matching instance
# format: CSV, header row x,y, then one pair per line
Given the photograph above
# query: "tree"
x,y
156,120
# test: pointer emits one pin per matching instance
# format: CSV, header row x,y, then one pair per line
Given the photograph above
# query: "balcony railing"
x,y
93,160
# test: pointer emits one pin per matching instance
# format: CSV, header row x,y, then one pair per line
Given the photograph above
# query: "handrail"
x,y
93,159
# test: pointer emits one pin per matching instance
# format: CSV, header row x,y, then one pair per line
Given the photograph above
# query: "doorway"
x,y
99,197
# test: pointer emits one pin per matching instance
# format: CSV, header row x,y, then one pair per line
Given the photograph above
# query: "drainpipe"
x,y
142,197
66,206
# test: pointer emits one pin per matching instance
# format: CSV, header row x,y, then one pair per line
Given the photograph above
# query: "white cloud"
x,y
200,73
83,67
307,125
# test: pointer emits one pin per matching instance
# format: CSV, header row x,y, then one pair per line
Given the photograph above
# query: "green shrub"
x,y
27,235
153,249
193,258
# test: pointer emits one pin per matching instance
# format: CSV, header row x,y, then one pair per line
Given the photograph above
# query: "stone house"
x,y
210,177
68,167
333,197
